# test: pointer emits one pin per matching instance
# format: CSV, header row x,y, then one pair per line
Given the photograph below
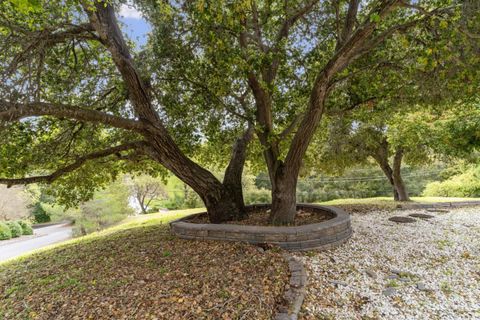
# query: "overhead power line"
x,y
359,179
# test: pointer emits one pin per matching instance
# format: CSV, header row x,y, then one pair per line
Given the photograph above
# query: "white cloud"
x,y
128,11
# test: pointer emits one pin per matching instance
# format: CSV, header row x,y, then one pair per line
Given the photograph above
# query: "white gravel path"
x,y
443,254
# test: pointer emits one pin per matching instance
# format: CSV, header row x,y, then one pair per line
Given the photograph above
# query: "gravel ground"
x,y
429,269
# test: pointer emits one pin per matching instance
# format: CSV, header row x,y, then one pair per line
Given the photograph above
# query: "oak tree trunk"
x,y
387,170
381,156
284,197
232,180
393,174
220,201
221,206
397,177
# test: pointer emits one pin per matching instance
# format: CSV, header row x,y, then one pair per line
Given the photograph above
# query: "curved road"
x,y
42,237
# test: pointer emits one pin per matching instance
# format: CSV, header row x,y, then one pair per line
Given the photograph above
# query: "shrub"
x,y
15,228
26,228
258,196
40,214
5,232
466,184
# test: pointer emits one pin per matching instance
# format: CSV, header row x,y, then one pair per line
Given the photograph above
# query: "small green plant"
x,y
15,228
393,284
224,294
310,254
446,288
26,228
11,290
162,271
442,244
68,283
448,272
166,253
5,232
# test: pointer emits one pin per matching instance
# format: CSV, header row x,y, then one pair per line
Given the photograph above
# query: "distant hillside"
x,y
13,203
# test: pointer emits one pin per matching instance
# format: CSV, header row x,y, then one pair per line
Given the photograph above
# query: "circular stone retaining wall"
x,y
324,235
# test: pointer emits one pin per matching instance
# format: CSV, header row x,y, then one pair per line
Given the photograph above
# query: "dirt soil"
x,y
261,218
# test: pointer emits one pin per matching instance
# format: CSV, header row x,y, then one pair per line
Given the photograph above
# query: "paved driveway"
x,y
42,237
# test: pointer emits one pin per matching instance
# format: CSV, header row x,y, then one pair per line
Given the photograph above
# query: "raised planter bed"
x,y
324,235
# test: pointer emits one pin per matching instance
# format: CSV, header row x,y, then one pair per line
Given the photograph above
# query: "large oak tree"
x,y
291,56
70,80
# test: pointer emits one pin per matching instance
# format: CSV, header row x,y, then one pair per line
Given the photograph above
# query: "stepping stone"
x,y
438,210
421,216
399,219
371,274
389,292
422,287
338,283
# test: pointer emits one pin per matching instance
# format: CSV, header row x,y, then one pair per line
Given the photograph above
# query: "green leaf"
x,y
375,17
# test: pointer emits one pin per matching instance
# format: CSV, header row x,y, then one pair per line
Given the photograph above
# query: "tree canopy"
x,y
78,104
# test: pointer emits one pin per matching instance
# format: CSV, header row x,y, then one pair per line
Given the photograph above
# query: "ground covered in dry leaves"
x,y
262,218
429,269
144,273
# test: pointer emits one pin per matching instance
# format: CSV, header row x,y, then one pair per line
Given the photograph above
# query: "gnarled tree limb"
x,y
10,112
75,165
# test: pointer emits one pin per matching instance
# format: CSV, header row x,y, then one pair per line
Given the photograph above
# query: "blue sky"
x,y
134,25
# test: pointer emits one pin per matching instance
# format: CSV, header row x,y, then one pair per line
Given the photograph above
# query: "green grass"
x,y
160,216
389,200
128,223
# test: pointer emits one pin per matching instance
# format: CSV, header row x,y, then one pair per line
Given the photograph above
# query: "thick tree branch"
x,y
282,34
349,21
233,174
263,105
10,112
105,24
342,58
257,28
50,37
79,162
292,18
162,146
291,127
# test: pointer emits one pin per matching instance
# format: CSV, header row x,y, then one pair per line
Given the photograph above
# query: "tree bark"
x,y
220,202
397,176
393,175
284,174
381,157
284,196
387,170
233,174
